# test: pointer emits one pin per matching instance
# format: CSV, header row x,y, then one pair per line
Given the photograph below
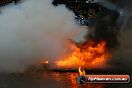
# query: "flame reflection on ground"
x,y
69,80
48,80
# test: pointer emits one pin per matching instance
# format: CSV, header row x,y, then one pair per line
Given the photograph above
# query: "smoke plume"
x,y
32,30
100,17
112,24
122,57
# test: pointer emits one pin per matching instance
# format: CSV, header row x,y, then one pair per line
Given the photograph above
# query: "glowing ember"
x,y
44,62
88,55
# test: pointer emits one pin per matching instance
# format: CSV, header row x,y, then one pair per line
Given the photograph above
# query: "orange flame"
x,y
81,71
88,55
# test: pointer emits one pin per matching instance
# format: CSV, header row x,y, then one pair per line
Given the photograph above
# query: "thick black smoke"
x,y
102,21
111,21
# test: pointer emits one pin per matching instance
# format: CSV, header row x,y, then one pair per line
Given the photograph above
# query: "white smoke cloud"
x,y
31,30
